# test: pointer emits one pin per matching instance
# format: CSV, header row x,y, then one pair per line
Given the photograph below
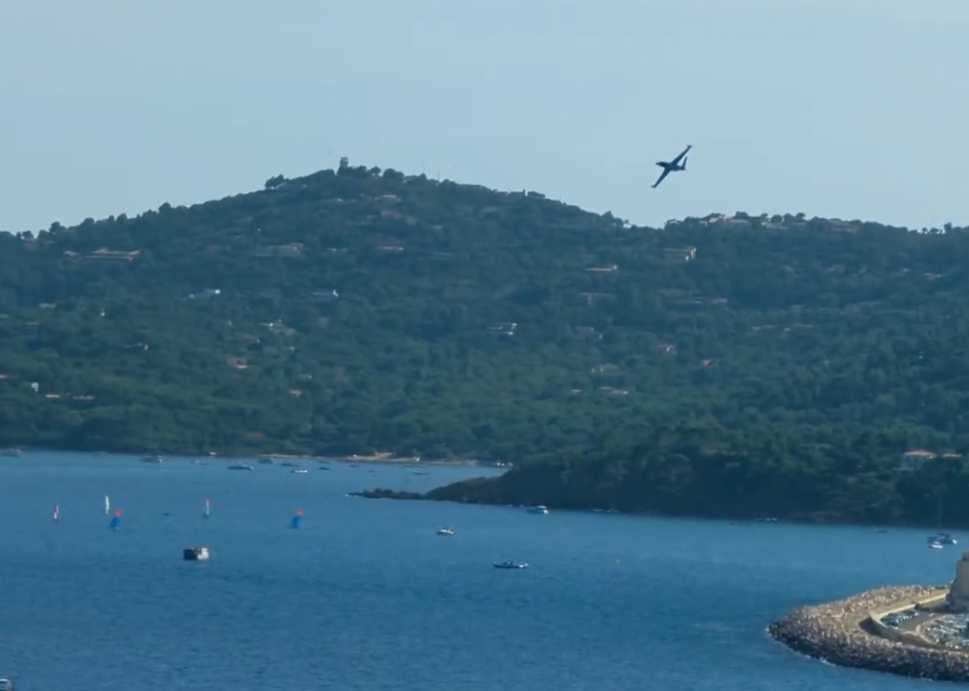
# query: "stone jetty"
x,y
842,633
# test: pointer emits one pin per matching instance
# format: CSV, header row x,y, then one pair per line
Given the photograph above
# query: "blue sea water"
x,y
365,595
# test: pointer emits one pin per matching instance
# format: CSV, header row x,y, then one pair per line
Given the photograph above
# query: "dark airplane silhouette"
x,y
672,166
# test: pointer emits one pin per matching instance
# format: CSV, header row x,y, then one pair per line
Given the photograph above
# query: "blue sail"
x,y
115,521
297,520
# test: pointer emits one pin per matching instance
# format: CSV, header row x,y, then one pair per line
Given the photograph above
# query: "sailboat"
x,y
207,512
107,505
297,520
57,513
115,521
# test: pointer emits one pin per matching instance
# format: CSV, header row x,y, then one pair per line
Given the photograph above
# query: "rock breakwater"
x,y
840,632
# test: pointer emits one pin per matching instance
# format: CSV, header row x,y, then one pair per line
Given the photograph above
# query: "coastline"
x,y
840,632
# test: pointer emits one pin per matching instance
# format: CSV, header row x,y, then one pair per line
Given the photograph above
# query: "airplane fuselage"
x,y
665,165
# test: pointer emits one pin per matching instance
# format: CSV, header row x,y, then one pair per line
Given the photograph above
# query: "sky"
x,y
840,108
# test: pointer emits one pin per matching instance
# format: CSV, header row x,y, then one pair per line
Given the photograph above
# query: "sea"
x,y
365,594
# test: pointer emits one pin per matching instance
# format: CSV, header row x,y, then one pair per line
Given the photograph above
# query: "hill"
x,y
722,365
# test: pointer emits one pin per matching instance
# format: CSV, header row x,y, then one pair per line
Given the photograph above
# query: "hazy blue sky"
x,y
831,107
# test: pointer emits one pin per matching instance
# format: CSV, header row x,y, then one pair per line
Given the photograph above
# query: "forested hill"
x,y
719,365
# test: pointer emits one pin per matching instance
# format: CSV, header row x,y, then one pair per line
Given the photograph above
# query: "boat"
x,y
6,684
57,513
445,531
115,521
207,511
510,565
11,453
935,545
299,471
107,505
540,509
196,554
297,520
152,459
241,466
943,539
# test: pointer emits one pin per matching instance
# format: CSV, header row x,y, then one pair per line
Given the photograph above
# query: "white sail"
x,y
57,512
208,508
107,505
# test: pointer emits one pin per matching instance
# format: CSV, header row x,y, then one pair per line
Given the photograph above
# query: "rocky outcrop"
x,y
837,632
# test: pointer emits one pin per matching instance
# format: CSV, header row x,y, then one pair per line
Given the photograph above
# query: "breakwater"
x,y
841,632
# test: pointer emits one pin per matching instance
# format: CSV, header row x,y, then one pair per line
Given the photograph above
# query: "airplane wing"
x,y
662,176
676,161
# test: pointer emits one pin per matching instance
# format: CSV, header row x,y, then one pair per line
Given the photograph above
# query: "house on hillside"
x,y
503,328
607,269
591,298
679,255
289,250
108,256
915,459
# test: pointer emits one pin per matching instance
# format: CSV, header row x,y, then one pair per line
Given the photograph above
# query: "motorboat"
x,y
445,531
935,545
299,471
11,453
241,466
510,565
196,554
152,459
943,538
540,509
6,684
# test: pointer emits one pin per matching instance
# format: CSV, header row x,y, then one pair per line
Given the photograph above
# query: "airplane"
x,y
672,166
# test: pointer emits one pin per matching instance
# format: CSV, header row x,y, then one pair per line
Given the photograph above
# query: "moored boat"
x,y
241,466
539,509
510,565
196,554
446,531
943,539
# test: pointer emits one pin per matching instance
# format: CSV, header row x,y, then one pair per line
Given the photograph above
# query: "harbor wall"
x,y
845,633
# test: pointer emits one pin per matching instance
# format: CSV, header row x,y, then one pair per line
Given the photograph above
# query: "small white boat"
x,y
107,505
540,509
57,513
943,539
196,554
207,511
446,531
241,466
299,471
152,459
936,545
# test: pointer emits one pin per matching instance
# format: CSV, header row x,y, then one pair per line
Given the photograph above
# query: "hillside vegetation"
x,y
726,365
